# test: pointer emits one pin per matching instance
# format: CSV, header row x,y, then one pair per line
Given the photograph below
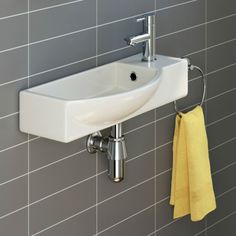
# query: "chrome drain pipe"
x,y
115,149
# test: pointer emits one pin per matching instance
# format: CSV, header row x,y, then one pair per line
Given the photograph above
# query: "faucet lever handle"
x,y
141,19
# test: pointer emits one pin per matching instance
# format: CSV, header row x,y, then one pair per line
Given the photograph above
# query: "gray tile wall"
x,y
53,189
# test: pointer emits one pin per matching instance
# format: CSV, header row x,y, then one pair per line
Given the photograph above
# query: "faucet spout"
x,y
138,39
148,37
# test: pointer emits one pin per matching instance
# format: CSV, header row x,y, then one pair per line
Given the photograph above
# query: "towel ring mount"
x,y
191,68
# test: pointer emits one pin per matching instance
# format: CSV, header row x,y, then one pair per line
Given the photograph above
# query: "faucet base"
x,y
149,59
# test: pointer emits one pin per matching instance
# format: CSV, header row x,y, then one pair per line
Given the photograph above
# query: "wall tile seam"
x,y
220,94
17,145
64,220
40,9
9,115
228,191
116,195
222,144
113,22
205,23
13,81
232,164
74,155
133,130
155,167
74,185
174,113
140,127
112,51
127,218
97,164
191,80
28,135
165,226
217,222
220,69
221,119
174,221
105,171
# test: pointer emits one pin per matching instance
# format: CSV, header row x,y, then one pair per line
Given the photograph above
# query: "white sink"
x,y
77,105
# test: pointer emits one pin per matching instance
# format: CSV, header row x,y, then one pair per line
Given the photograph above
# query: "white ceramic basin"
x,y
77,105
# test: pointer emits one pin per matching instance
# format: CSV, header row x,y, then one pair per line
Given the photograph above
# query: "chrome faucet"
x,y
148,38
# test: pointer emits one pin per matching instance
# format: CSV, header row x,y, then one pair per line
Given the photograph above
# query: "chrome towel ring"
x,y
192,67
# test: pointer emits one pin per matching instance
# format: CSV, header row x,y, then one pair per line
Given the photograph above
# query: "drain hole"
x,y
133,76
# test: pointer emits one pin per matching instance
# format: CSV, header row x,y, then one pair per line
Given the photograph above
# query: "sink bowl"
x,y
77,105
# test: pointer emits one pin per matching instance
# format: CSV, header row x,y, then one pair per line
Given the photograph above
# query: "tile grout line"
x,y
75,1
89,178
224,168
112,51
221,119
164,226
135,214
65,65
112,22
58,161
206,77
221,94
13,212
149,206
129,217
64,220
74,154
18,144
28,136
96,155
222,68
155,173
155,151
155,155
205,23
216,223
206,60
14,81
177,5
191,80
103,202
56,6
222,144
226,192
186,108
62,190
36,10
9,115
84,29
102,172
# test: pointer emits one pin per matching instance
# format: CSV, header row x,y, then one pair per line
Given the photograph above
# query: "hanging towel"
x,y
191,187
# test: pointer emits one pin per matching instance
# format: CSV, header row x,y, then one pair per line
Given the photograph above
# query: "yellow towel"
x,y
191,187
